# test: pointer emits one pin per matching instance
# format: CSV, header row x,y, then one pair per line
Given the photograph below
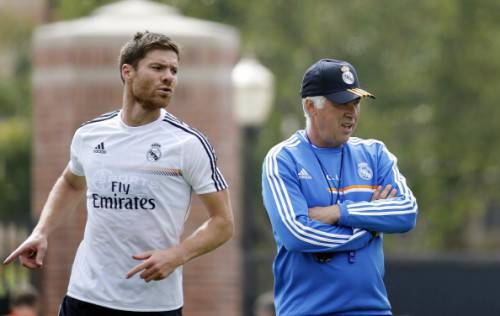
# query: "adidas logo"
x,y
99,149
303,174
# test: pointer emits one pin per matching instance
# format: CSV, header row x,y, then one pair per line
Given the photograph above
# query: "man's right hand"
x,y
64,196
31,252
326,214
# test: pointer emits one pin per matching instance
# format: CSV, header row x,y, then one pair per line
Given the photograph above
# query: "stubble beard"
x,y
151,104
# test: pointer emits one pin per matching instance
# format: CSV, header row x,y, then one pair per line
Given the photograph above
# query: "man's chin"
x,y
155,105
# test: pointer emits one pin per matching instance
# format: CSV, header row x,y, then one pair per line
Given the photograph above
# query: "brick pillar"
x,y
31,11
76,78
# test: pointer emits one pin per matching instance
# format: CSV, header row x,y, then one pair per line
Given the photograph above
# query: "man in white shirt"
x,y
138,166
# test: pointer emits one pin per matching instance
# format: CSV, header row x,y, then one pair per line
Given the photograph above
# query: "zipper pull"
x,y
351,257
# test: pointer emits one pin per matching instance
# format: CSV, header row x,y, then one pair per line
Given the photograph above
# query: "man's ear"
x,y
127,71
310,108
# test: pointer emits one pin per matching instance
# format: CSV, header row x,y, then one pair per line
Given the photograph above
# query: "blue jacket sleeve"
x,y
395,215
288,212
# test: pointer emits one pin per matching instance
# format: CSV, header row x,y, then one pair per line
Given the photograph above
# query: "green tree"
x,y
15,150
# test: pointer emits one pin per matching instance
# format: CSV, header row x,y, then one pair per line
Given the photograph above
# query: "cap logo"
x,y
348,77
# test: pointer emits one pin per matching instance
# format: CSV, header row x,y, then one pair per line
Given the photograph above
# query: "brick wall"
x,y
76,80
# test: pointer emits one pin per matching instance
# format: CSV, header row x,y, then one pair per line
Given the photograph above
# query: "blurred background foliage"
x,y
15,119
433,65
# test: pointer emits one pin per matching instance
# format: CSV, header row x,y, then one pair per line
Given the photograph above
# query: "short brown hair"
x,y
136,48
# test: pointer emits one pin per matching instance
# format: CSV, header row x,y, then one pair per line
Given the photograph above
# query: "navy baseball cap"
x,y
334,79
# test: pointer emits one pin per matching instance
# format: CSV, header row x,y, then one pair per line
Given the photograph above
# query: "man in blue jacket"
x,y
330,198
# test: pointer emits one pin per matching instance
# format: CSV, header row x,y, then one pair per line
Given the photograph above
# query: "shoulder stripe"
x,y
360,141
103,117
220,183
293,141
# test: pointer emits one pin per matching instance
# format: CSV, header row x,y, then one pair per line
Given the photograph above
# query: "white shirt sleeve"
x,y
200,167
74,164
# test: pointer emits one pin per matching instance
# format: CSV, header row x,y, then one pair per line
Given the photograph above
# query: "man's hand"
x,y
157,264
328,215
387,193
63,197
31,252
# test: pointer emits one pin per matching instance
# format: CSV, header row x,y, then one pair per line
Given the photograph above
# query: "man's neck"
x,y
315,139
136,115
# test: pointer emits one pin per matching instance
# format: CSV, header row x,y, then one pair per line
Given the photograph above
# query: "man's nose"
x,y
168,76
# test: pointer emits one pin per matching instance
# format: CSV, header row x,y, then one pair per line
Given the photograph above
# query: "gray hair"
x,y
319,103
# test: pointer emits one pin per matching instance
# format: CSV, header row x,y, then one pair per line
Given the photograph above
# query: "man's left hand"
x,y
157,264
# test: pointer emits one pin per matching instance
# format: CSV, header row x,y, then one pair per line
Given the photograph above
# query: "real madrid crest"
x,y
364,171
347,75
154,154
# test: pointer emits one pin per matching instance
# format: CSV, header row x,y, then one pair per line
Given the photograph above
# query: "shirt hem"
x,y
129,309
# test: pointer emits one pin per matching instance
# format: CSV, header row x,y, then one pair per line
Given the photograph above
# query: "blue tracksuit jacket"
x,y
297,176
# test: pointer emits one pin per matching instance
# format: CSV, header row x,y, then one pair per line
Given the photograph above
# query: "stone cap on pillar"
x,y
120,20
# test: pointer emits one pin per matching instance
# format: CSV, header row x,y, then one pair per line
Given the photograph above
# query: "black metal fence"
x,y
444,285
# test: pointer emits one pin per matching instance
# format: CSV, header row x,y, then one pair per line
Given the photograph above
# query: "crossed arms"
x,y
344,227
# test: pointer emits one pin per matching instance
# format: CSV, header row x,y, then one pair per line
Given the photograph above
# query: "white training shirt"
x,y
139,185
